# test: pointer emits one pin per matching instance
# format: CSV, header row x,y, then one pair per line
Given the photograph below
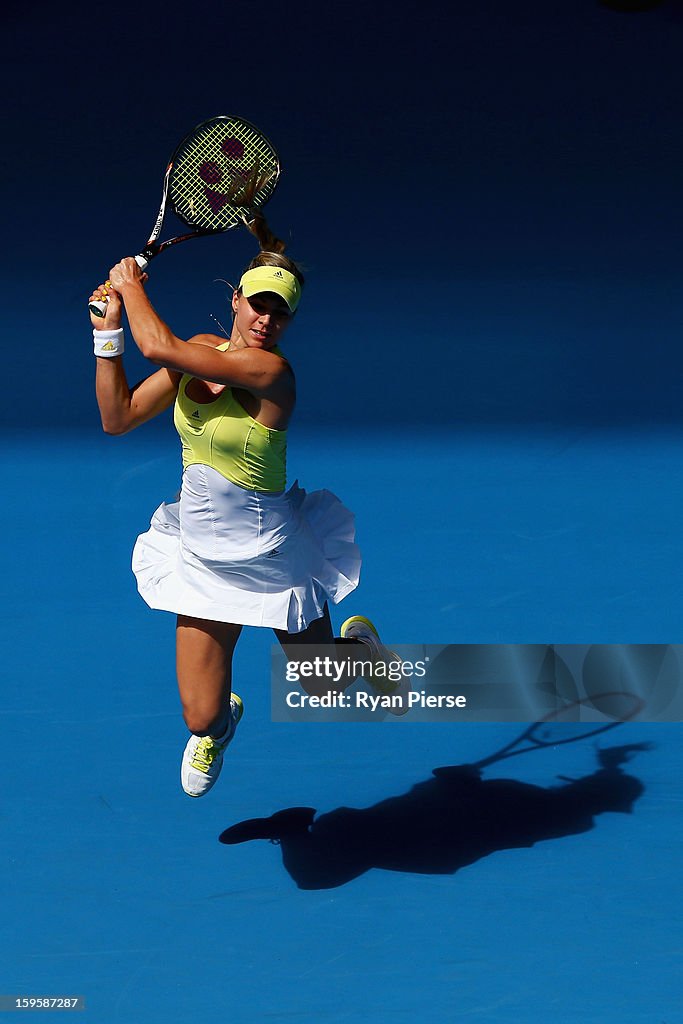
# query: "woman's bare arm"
x,y
262,373
123,408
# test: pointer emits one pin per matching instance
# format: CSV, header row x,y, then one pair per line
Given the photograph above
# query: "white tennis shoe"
x,y
360,628
203,756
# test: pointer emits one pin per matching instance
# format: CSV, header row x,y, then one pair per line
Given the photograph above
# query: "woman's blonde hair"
x,y
272,248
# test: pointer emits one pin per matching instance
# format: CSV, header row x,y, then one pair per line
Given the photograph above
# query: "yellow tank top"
x,y
222,435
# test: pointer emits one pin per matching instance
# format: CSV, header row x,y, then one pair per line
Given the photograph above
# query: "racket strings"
x,y
226,168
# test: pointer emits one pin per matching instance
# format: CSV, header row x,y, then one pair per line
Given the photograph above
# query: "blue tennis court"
x,y
116,886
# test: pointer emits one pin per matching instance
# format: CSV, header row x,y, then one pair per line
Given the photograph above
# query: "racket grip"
x,y
98,307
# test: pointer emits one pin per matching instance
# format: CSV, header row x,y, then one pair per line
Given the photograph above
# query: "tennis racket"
x,y
218,176
567,725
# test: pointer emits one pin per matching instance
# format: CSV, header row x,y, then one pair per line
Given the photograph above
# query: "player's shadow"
x,y
441,824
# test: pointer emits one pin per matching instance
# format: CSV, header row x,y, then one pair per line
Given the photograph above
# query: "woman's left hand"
x,y
126,273
111,318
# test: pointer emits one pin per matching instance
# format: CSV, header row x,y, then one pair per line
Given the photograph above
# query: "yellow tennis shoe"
x,y
203,756
360,628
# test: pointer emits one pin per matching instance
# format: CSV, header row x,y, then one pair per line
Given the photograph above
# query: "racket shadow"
x,y
441,824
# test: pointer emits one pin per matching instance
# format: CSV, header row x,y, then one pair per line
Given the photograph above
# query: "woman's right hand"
x,y
111,320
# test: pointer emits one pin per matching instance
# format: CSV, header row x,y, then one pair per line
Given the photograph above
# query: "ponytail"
x,y
271,248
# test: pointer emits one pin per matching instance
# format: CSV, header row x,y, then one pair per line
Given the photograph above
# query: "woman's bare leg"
x,y
319,632
368,652
204,666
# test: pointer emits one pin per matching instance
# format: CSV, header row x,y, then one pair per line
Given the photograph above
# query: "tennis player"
x,y
236,548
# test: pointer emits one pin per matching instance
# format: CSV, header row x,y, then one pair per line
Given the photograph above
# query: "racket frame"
x,y
534,741
152,248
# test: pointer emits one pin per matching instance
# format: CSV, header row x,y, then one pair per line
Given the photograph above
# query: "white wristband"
x,y
108,343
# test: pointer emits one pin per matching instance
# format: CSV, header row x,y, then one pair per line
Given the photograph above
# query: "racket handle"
x,y
98,307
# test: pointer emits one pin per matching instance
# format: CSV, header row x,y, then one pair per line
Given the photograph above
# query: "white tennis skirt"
x,y
223,553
